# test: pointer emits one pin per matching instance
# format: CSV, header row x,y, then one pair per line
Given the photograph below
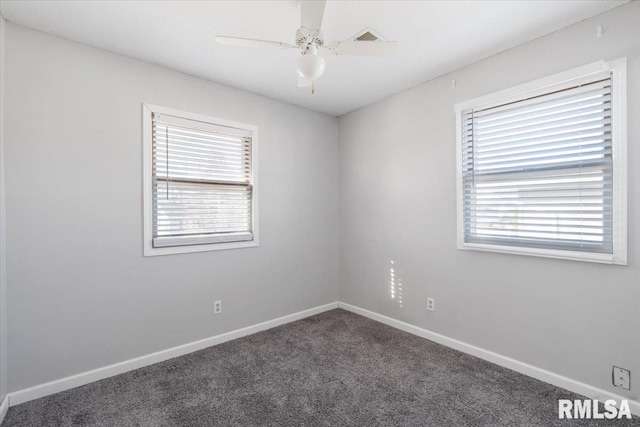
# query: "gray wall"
x,y
398,203
81,294
3,281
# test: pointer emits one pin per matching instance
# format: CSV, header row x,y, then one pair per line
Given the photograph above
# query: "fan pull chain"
x,y
313,87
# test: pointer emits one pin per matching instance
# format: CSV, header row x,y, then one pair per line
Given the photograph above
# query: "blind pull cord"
x,y
166,140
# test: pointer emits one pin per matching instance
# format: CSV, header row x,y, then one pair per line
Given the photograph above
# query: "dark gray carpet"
x,y
333,369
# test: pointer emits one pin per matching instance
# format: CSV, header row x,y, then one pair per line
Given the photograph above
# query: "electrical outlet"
x,y
431,304
217,307
621,378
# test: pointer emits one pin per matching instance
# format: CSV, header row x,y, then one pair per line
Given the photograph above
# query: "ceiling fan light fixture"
x,y
310,66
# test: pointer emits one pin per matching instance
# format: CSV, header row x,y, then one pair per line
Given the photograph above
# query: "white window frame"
x,y
147,155
559,81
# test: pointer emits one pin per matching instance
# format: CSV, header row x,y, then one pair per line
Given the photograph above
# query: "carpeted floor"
x,y
333,369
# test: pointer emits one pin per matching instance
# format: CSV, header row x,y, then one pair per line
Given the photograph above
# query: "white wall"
x,y
81,294
398,203
3,281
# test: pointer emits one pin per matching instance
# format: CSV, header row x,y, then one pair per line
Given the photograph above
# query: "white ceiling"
x,y
435,37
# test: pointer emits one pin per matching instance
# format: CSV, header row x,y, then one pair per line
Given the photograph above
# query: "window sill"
x,y
172,250
547,253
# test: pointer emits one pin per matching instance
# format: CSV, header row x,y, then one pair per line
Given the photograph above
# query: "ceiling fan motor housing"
x,y
306,37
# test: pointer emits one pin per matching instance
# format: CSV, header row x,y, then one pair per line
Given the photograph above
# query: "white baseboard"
x,y
4,407
507,362
42,390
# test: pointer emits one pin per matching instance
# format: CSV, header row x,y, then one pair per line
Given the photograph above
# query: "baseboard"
x,y
42,390
4,407
507,362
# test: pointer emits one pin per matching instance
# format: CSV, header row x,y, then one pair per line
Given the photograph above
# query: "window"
x,y
199,183
542,167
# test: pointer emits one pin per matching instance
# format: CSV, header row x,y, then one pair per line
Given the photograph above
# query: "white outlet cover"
x,y
217,307
621,378
431,304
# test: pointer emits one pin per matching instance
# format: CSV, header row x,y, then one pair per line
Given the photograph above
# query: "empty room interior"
x,y
319,213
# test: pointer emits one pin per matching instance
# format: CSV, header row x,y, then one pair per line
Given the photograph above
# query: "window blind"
x,y
538,172
202,182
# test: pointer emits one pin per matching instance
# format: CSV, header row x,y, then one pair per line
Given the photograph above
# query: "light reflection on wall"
x,y
395,288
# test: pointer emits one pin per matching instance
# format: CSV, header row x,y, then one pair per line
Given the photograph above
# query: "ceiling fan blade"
x,y
304,82
365,48
237,41
311,12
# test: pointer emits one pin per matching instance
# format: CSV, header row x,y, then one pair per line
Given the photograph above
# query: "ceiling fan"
x,y
309,40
